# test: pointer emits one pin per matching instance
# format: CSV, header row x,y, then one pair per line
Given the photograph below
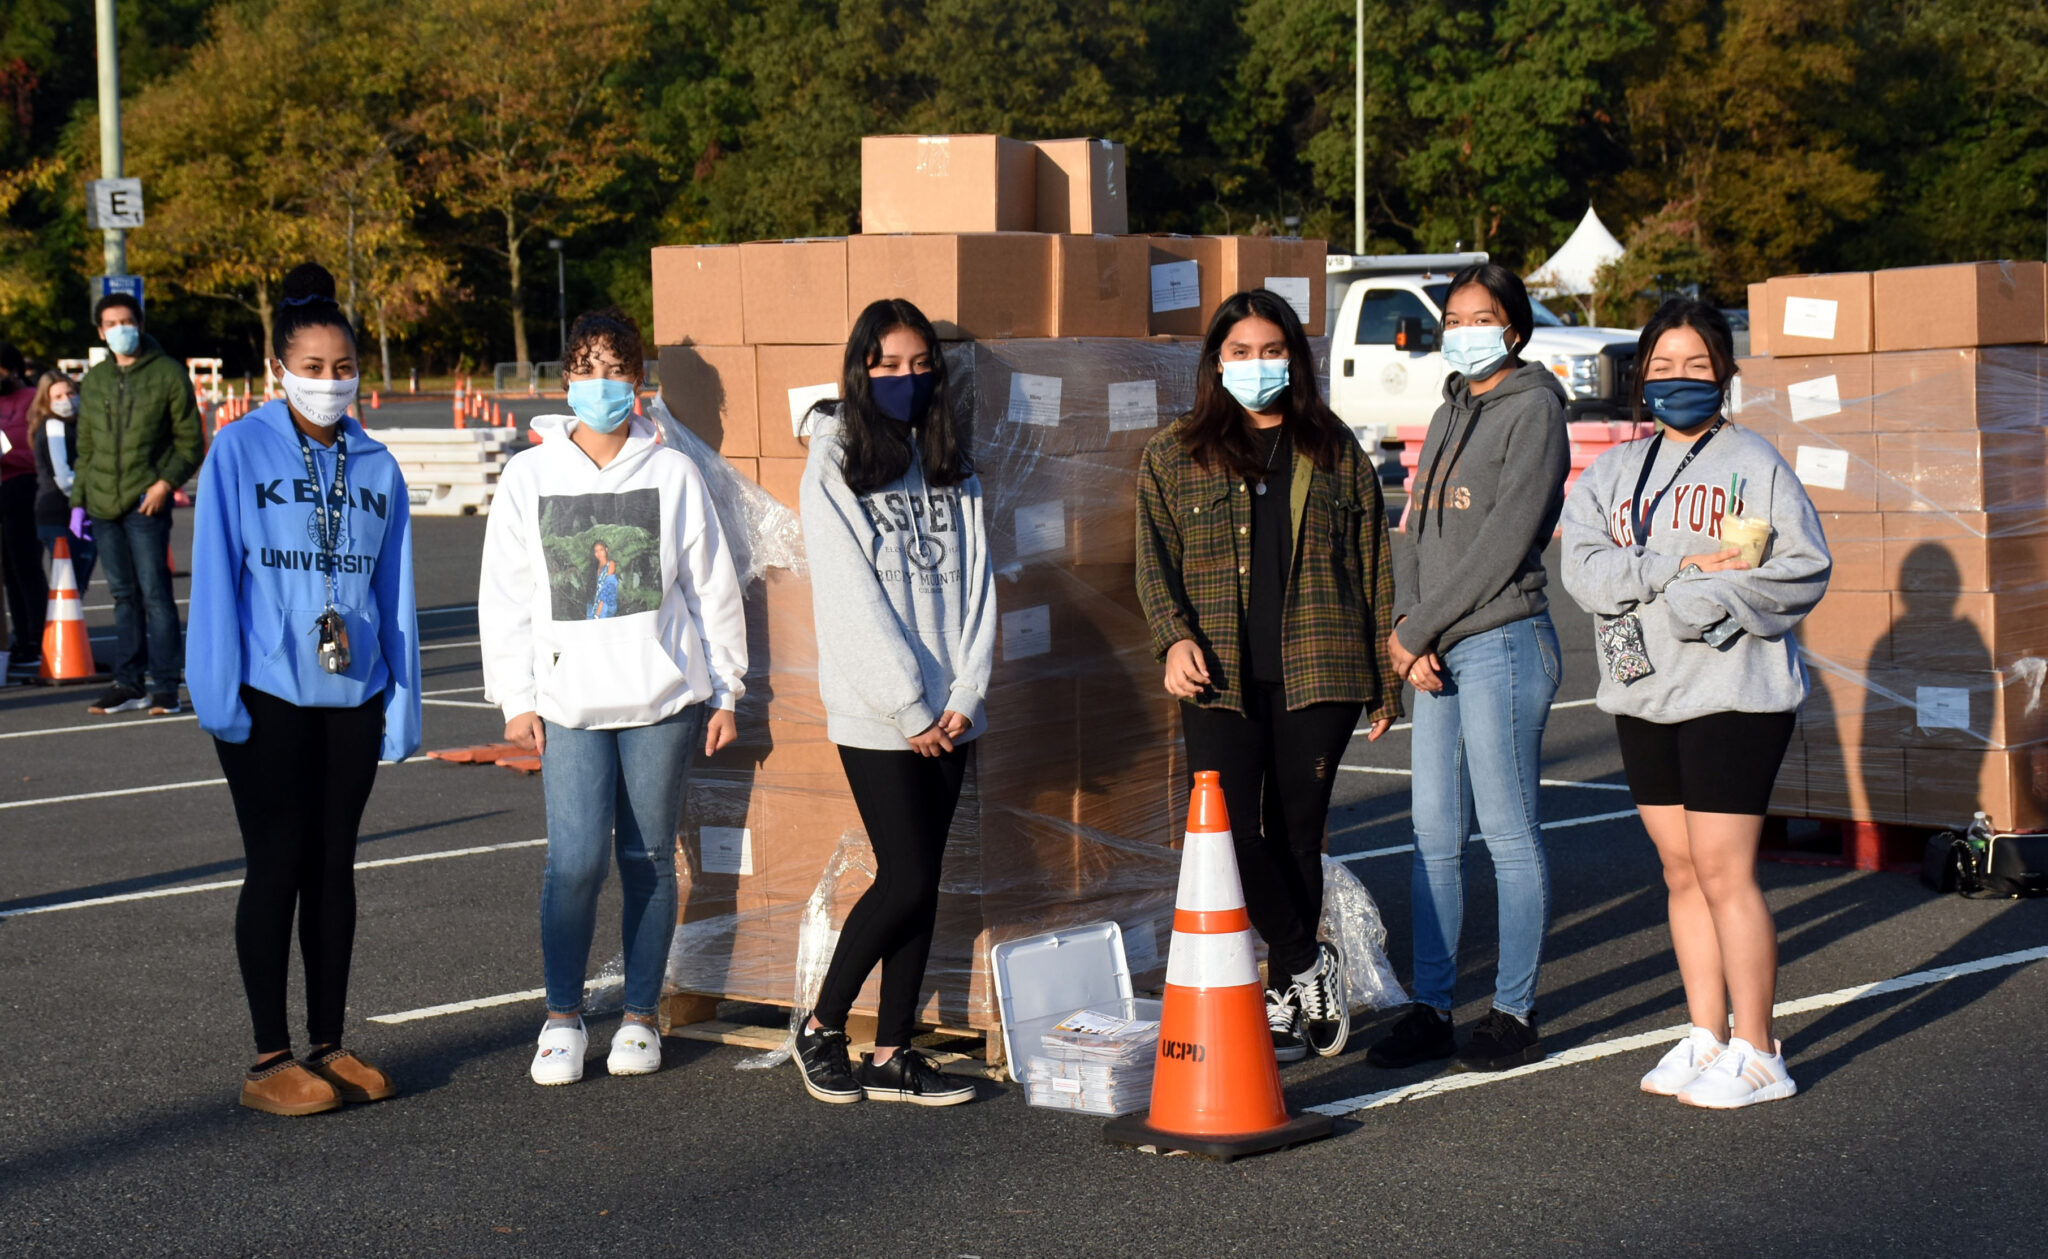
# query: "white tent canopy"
x,y
1570,270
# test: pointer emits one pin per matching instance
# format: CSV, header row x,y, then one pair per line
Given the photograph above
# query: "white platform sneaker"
x,y
1683,1064
1741,1075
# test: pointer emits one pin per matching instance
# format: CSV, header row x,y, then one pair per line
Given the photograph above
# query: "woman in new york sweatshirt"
x,y
615,689
310,671
905,604
1701,671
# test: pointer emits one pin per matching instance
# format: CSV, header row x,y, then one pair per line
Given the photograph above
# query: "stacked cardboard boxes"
x,y
1077,793
1913,404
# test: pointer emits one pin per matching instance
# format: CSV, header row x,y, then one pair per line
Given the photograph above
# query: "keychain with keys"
x,y
333,633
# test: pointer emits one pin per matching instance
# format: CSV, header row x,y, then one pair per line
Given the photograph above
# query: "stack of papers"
x,y
1094,1062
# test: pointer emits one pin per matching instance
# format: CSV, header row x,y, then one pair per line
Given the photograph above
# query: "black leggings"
x,y
300,784
1278,769
906,801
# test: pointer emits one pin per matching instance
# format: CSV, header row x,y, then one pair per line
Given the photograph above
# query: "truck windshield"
x,y
1544,317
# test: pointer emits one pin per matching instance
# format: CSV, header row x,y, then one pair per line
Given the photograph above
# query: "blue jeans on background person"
x,y
135,555
84,552
613,790
1477,756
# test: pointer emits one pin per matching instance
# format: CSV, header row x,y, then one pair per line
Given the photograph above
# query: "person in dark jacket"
x,y
53,429
27,594
138,441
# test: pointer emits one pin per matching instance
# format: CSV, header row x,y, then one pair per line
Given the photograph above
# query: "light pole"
x,y
1358,131
110,123
561,299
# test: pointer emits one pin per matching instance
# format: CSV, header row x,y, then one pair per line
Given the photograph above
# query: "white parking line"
x,y
189,888
475,1003
1409,725
460,703
1666,1035
1547,782
448,646
1563,824
137,723
143,791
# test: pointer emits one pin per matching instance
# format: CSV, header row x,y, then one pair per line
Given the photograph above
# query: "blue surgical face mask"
x,y
124,339
1255,382
1476,353
602,405
904,399
1682,404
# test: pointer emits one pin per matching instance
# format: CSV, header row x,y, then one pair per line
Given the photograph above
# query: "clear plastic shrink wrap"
x,y
1075,807
1927,657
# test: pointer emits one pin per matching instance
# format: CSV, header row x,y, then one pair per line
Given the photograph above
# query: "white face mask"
x,y
323,402
65,407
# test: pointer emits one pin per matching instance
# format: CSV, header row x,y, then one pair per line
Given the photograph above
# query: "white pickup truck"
x,y
1387,365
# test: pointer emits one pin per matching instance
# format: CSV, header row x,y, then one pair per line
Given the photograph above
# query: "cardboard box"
x,y
783,478
1849,629
748,468
2000,388
1759,320
1963,471
1966,551
1968,633
1288,265
1788,793
1083,187
794,291
1827,393
972,286
697,295
1944,788
1856,783
1912,707
962,183
791,378
1186,283
1839,470
1818,314
1963,304
713,391
1102,286
1856,545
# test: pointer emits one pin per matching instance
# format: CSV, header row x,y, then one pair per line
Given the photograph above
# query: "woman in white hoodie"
x,y
614,703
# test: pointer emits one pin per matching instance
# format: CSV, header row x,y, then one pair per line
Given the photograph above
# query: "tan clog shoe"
x,y
286,1088
355,1080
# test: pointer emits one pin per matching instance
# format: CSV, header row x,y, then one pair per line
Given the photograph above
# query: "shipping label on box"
x,y
1133,405
727,849
1294,290
1027,632
1822,467
1042,528
1176,286
1035,400
1812,317
1813,399
1942,707
1818,314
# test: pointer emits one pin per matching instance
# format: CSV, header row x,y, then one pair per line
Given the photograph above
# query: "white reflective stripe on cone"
x,y
1211,961
1208,873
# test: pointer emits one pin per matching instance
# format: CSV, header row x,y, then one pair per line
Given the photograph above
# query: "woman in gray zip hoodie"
x,y
1472,633
1704,678
906,619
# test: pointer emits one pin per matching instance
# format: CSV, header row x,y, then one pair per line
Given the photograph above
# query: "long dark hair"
x,y
307,301
1683,312
873,449
1509,294
1216,433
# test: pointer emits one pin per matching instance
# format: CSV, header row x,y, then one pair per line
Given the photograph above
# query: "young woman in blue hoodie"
x,y
302,593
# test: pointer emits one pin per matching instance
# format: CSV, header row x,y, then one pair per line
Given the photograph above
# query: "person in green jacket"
x,y
138,440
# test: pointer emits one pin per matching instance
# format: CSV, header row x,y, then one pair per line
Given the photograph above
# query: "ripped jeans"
x,y
613,790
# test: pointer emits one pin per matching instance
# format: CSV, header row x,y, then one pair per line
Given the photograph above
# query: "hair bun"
x,y
308,282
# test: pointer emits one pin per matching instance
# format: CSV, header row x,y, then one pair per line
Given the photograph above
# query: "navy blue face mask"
x,y
1682,404
903,398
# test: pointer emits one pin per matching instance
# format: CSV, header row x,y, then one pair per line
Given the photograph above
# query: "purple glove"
x,y
81,528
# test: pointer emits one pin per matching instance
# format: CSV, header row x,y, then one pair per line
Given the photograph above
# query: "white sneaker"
x,y
1740,1075
636,1050
1684,1063
559,1057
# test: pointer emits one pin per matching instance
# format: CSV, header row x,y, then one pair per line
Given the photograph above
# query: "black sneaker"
x,y
1325,1001
828,1072
909,1076
1283,1015
118,699
164,704
1500,1041
1421,1035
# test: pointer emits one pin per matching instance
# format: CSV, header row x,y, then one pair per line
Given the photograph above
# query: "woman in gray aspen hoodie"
x,y
1472,633
905,605
1703,676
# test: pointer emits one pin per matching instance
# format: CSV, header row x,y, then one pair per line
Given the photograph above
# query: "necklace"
x,y
1271,455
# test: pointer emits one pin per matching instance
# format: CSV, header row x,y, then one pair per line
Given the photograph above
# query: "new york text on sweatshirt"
x,y
608,597
260,578
904,600
1609,571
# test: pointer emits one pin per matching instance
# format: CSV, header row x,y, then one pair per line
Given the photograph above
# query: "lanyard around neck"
x,y
328,513
1638,517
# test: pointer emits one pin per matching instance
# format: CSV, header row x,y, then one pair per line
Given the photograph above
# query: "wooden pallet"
x,y
762,1026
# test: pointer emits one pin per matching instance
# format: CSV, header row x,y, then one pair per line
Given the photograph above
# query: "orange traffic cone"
x,y
67,652
1216,1086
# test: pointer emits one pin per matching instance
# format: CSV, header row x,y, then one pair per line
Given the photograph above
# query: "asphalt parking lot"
x,y
1918,1128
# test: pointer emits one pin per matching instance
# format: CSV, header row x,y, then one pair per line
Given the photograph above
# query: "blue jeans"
x,y
1477,754
83,553
135,555
613,790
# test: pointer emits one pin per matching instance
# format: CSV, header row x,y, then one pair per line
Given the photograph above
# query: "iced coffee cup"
x,y
1751,533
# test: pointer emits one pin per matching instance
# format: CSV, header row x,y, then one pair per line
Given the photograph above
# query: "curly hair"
x,y
608,329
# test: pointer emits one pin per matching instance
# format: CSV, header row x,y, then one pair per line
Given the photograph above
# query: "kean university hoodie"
x,y
904,600
1755,670
259,579
608,598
